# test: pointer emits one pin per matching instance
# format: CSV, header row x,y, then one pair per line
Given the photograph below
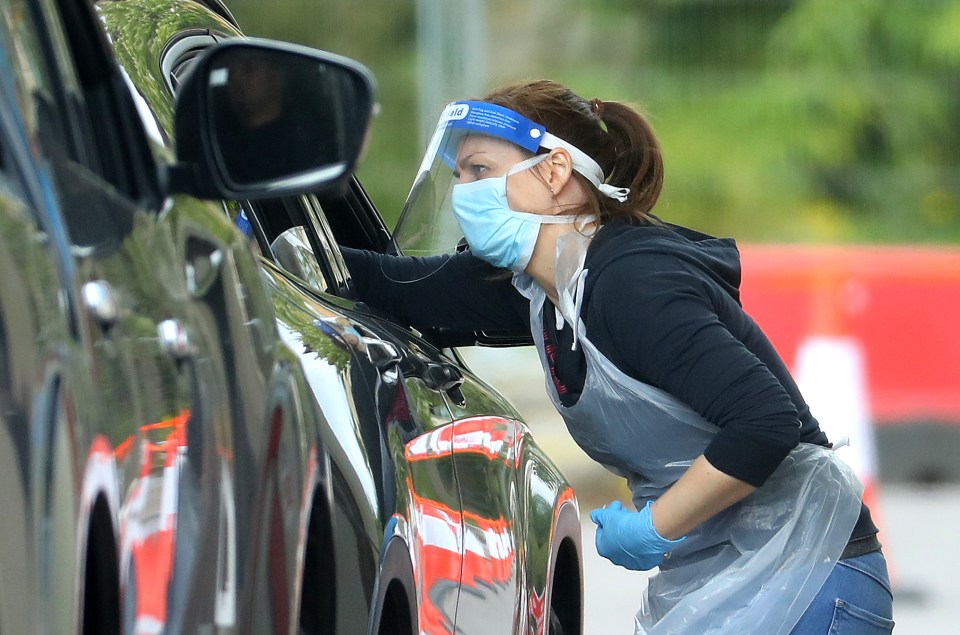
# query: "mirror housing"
x,y
261,119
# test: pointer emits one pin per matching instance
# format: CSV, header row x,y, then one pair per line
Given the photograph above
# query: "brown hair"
x,y
613,134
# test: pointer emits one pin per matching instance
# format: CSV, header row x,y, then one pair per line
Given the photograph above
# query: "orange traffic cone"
x,y
830,370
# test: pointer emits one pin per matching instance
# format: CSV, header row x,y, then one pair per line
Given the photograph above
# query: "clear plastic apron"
x,y
753,568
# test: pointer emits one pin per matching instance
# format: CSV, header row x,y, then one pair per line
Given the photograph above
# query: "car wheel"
x,y
101,588
565,616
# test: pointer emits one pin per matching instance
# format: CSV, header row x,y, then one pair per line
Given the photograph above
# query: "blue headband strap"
x,y
478,117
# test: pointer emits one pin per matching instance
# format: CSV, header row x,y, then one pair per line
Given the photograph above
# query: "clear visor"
x,y
427,226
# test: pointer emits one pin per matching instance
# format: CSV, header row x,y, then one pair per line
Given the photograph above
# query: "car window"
x,y
79,124
112,140
285,233
327,242
346,219
47,99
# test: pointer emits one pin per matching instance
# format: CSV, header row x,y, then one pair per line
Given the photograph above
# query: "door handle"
x,y
381,353
175,340
100,302
445,377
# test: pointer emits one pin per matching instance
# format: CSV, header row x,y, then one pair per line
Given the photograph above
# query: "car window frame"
x,y
112,141
330,253
378,238
301,211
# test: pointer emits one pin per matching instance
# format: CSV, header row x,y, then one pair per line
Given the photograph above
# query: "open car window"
x,y
292,232
348,220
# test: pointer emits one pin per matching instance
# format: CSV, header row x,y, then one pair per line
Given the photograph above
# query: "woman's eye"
x,y
472,172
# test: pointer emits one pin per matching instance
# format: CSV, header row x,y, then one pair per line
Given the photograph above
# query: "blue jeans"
x,y
855,600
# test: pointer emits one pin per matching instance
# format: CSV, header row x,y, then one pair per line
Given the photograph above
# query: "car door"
x,y
140,391
397,394
482,437
505,486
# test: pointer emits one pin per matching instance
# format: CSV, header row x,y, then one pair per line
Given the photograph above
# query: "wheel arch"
x,y
553,554
100,604
565,595
396,590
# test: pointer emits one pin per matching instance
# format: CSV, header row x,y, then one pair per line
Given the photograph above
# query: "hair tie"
x,y
597,106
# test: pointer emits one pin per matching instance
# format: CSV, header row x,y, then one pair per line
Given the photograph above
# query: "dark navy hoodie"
x,y
662,303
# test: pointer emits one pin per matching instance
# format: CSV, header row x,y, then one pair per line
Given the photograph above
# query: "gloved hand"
x,y
629,539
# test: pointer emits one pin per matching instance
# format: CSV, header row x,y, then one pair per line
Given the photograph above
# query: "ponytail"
x,y
613,134
637,162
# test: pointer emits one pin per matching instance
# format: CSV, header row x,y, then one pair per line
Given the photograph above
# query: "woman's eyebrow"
x,y
462,162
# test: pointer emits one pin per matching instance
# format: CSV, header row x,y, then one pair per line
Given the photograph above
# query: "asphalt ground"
x,y
919,523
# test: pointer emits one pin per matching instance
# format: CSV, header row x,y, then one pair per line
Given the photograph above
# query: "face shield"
x,y
427,225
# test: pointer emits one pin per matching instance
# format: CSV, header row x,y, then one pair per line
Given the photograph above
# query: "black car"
x,y
146,399
198,440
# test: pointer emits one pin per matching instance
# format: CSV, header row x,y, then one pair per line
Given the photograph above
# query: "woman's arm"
x,y
640,540
457,291
702,492
663,329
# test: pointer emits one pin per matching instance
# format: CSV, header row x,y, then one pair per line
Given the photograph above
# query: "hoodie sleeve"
x,y
658,323
458,292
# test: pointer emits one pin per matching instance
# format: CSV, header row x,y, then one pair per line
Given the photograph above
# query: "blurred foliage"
x,y
139,30
780,120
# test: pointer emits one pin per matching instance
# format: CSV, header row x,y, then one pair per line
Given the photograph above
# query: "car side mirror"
x,y
262,119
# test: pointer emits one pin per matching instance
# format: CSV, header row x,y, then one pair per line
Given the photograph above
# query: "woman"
x,y
656,369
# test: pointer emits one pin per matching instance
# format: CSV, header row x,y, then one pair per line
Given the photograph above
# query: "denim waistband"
x,y
873,565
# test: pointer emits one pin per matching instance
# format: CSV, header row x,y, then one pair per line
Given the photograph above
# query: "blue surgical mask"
x,y
496,233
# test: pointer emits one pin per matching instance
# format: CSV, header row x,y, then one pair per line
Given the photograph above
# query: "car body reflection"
x,y
469,557
149,516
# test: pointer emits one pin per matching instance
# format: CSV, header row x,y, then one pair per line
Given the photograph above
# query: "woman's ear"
x,y
557,169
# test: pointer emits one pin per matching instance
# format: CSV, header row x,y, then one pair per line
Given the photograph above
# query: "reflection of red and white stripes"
x,y
460,548
538,612
148,525
490,436
439,548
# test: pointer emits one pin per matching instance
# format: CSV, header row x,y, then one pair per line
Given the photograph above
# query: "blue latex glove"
x,y
628,538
